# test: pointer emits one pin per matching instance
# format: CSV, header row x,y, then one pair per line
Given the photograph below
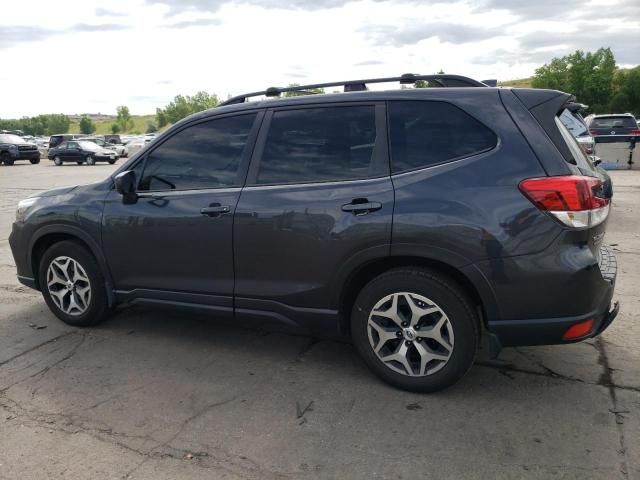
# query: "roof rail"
x,y
441,80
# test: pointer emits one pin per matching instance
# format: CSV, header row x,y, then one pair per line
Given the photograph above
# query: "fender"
x,y
94,247
424,254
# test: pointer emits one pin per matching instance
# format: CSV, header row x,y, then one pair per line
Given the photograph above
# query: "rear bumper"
x,y
550,331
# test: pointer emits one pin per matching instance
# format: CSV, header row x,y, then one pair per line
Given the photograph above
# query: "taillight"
x,y
575,201
593,132
586,149
635,131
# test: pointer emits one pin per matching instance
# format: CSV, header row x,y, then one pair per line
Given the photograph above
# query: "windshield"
x,y
8,138
623,121
581,160
89,146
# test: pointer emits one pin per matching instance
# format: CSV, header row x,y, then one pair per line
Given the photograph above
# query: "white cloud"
x,y
85,58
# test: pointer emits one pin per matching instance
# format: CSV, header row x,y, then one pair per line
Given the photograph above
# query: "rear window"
x,y
623,121
428,133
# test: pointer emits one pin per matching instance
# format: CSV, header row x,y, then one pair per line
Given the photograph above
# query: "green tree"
x,y
301,93
183,106
115,128
161,117
151,127
123,118
86,125
56,123
588,76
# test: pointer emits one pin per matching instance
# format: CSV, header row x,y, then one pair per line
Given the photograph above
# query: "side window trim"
x,y
244,161
380,151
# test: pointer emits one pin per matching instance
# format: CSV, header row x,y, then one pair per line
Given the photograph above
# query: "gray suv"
x,y
415,222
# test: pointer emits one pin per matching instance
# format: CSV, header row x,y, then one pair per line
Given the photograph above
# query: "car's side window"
x,y
426,133
204,155
319,145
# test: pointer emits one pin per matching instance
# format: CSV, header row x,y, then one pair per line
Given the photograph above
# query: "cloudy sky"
x,y
77,56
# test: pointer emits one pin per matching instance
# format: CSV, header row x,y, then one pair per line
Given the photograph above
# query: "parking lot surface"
x,y
153,394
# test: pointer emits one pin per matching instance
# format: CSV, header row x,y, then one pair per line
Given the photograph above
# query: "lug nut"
x,y
407,343
398,334
405,324
419,339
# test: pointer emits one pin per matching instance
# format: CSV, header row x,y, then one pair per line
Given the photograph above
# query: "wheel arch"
x,y
47,236
469,279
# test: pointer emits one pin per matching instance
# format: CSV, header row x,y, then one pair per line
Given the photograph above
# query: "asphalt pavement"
x,y
153,394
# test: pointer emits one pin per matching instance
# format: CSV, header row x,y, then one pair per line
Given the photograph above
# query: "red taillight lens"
x,y
574,200
579,330
635,131
593,132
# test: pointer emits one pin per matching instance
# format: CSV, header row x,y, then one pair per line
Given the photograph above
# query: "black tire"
x,y
97,308
445,294
111,162
6,159
80,162
35,161
90,160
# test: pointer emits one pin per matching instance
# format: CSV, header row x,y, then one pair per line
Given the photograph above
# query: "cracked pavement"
x,y
160,394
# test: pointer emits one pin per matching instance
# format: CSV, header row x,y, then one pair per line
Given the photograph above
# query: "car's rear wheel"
x,y
6,159
415,328
34,161
111,162
72,284
57,160
90,160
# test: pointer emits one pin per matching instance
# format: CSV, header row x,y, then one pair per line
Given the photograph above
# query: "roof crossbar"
x,y
440,80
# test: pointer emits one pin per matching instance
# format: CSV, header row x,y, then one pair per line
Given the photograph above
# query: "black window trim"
x,y
244,160
444,162
380,149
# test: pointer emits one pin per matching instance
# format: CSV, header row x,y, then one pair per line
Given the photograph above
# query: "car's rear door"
x,y
318,201
175,243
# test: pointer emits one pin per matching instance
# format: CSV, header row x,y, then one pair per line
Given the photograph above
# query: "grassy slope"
x,y
102,127
522,83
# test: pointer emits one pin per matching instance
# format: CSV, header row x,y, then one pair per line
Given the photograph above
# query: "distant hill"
x,y
521,82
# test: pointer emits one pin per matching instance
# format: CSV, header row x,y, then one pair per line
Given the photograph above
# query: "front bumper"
x,y
550,331
27,155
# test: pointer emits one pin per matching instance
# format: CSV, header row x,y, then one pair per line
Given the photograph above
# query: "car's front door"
x,y
318,201
175,242
72,152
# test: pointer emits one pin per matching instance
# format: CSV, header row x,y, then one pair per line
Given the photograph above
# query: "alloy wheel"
x,y
68,285
410,334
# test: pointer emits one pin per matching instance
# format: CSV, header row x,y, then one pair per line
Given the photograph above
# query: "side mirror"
x,y
126,186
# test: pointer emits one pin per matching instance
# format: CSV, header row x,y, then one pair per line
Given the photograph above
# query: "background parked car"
x,y
14,147
81,152
56,140
121,150
614,128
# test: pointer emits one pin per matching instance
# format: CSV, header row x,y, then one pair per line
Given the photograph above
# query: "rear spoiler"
x,y
545,105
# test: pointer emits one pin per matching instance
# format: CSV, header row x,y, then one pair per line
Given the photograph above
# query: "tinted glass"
x,y
319,145
206,155
429,133
613,122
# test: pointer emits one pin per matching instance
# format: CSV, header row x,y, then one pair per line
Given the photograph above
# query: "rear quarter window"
x,y
427,133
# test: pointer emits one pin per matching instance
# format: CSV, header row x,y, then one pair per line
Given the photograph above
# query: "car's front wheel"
x,y
35,161
6,159
72,284
57,160
90,160
415,328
